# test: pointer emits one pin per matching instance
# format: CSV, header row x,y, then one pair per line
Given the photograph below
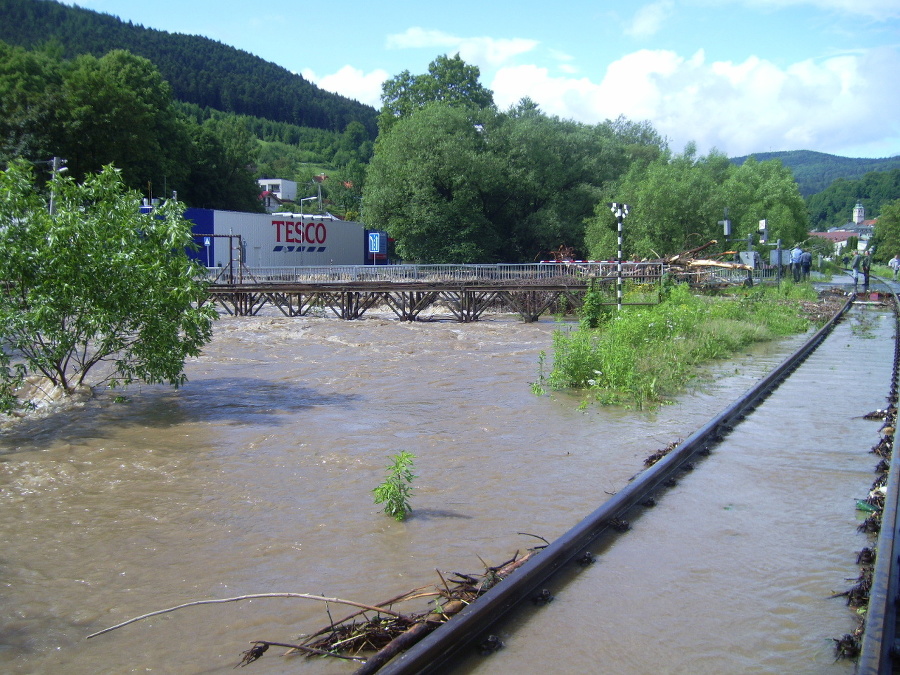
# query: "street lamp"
x,y
305,199
57,165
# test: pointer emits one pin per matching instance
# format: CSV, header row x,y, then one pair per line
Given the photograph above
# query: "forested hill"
x,y
815,171
200,70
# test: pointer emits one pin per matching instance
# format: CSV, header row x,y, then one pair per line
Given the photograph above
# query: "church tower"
x,y
859,213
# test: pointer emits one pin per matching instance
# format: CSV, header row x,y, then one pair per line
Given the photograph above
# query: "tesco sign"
x,y
291,232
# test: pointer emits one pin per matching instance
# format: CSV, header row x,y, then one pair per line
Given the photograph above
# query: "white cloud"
x,y
484,52
649,19
352,83
751,106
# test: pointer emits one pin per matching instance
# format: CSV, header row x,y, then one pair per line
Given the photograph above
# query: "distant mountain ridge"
x,y
815,171
200,70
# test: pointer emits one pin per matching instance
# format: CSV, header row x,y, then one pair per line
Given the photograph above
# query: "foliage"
x,y
117,109
450,81
426,184
97,287
201,71
642,355
595,309
676,203
457,184
887,234
396,489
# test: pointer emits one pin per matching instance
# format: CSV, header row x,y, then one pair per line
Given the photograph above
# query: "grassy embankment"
x,y
643,355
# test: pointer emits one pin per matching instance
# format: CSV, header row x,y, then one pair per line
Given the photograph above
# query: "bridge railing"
x,y
488,272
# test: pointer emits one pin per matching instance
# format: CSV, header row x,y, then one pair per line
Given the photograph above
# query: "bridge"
x,y
466,291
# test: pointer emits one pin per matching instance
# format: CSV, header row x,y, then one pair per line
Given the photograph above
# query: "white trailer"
x,y
277,239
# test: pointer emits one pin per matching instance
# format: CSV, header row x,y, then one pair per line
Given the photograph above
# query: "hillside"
x,y
815,171
201,71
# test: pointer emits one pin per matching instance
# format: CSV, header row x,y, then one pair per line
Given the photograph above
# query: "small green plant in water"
x,y
537,388
396,489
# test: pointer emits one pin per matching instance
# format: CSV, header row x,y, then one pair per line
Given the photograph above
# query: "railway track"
x,y
472,625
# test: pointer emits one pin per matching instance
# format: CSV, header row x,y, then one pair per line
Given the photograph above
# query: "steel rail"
x,y
436,649
877,651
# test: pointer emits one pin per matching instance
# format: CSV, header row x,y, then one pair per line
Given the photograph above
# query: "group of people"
x,y
801,263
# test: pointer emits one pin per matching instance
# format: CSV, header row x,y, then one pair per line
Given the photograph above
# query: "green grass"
x,y
644,355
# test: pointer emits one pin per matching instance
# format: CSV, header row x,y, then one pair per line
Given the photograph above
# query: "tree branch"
x,y
255,596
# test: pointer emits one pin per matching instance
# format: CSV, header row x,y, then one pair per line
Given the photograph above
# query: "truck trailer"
x,y
283,239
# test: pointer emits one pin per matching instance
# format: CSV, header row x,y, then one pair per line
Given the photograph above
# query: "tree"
x,y
676,204
427,184
548,177
461,184
29,100
97,287
118,110
449,80
766,191
221,154
887,232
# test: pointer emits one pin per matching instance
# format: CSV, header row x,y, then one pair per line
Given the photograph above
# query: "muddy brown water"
x,y
257,476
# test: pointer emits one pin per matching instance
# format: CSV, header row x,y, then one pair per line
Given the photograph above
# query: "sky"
x,y
738,76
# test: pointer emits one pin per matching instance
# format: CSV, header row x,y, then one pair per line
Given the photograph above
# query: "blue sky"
x,y
740,76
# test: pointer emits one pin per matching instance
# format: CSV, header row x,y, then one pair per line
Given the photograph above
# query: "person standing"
x,y
865,264
805,264
854,269
894,264
796,252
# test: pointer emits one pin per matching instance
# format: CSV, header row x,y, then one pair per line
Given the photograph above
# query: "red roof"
x,y
836,236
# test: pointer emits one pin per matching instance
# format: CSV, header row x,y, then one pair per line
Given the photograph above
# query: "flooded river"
x,y
256,477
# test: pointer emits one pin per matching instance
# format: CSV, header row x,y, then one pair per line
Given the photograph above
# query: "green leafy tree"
x,y
887,233
449,80
222,167
676,205
118,110
766,191
97,287
30,85
456,184
547,177
426,185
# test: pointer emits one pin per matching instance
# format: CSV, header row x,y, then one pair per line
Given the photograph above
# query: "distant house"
x,y
277,191
838,238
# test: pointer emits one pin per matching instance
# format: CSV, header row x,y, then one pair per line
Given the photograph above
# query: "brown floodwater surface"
x,y
257,476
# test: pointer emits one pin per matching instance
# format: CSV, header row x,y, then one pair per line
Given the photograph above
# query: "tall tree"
x,y
426,186
766,191
30,84
118,110
449,80
886,240
676,204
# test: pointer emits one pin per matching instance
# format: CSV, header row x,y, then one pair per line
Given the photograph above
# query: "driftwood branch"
x,y
304,596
